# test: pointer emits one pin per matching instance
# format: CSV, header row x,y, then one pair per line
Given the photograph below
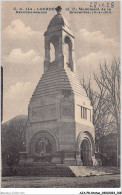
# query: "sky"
x,y
97,38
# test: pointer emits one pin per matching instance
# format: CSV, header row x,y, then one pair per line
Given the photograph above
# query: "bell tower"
x,y
59,34
59,127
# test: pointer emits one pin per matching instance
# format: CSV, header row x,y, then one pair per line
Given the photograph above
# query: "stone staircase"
x,y
85,171
58,170
44,171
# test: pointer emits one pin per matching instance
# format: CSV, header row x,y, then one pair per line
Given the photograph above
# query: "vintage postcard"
x,y
60,95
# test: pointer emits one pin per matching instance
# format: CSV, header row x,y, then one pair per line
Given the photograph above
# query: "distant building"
x,y
59,127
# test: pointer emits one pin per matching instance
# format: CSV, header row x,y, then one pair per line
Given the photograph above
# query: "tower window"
x,y
85,113
53,48
68,52
52,52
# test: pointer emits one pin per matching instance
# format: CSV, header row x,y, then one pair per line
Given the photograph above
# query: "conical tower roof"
x,y
57,79
58,20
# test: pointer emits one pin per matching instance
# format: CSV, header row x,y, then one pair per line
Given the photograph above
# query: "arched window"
x,y
68,52
52,52
54,48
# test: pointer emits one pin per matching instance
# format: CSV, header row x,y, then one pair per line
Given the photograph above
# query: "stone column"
x,y
47,55
61,53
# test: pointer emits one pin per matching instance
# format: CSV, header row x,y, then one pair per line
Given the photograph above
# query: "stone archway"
x,y
42,143
86,148
54,41
68,52
85,152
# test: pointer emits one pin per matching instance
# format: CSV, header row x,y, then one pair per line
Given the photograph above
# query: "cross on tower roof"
x,y
58,9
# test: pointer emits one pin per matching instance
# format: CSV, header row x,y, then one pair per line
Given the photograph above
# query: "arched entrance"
x,y
86,147
85,152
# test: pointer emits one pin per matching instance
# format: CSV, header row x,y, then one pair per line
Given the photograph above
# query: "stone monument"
x,y
59,127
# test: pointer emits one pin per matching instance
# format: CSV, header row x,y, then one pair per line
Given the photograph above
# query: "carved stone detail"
x,y
67,110
43,113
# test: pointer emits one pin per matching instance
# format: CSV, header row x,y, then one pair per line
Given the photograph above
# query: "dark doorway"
x,y
86,152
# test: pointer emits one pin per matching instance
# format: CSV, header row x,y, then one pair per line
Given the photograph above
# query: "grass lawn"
x,y
103,181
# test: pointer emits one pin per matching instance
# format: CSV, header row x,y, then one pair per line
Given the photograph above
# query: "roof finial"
x,y
58,9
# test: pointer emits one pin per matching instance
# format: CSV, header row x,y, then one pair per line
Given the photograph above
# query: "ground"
x,y
102,181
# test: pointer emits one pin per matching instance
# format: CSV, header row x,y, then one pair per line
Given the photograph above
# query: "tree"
x,y
105,100
110,80
13,138
100,108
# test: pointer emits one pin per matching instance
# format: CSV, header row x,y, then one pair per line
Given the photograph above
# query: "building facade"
x,y
59,127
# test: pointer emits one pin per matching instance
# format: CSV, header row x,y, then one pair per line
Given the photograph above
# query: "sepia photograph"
x,y
60,94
